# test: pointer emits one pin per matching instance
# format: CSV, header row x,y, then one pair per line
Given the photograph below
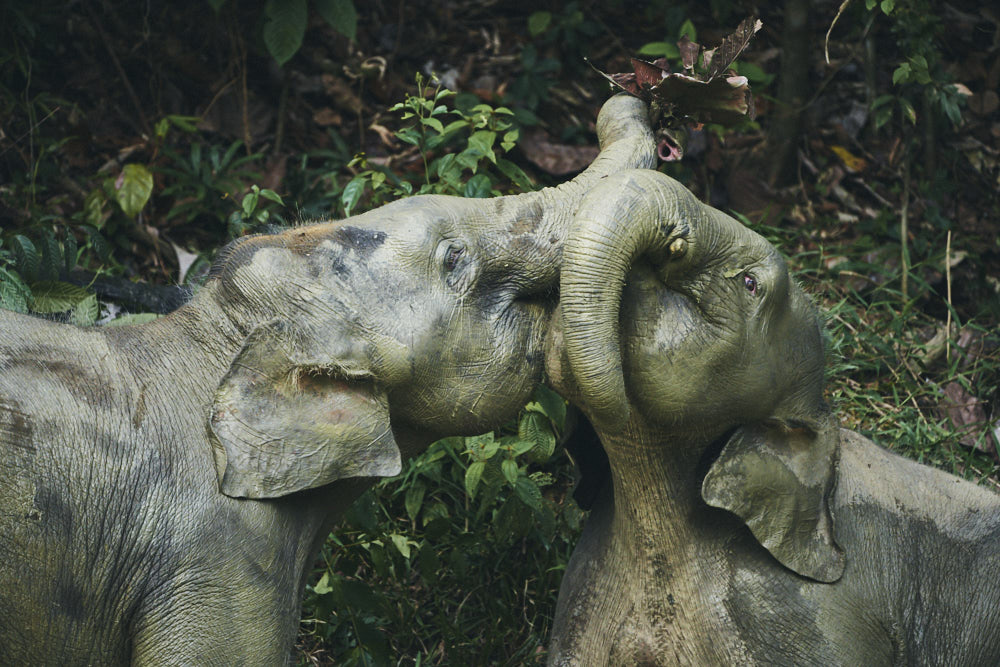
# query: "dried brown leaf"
x,y
732,46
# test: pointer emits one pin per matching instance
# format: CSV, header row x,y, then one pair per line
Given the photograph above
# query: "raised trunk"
x,y
632,213
542,219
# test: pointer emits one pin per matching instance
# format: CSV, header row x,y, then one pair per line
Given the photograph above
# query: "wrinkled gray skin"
x,y
740,524
311,362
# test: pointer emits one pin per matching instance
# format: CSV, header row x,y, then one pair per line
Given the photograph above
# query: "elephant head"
x,y
679,321
425,315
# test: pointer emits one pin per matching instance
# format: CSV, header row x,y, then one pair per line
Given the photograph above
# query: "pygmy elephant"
x,y
310,363
740,524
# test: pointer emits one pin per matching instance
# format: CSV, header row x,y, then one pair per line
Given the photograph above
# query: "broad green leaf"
x,y
481,142
70,251
902,74
472,476
133,188
401,544
529,493
539,22
887,6
433,123
688,30
478,186
414,499
52,257
534,428
284,28
56,297
515,174
482,447
340,14
85,313
272,195
352,193
250,202
665,49
552,405
26,256
93,208
510,471
908,111
322,586
14,294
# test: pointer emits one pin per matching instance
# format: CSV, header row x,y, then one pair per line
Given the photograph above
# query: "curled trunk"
x,y
630,214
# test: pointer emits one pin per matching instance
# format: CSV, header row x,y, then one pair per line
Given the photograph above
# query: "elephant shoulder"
x,y
875,482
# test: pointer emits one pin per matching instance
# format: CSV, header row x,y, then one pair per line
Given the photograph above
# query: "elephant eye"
x,y
750,283
452,257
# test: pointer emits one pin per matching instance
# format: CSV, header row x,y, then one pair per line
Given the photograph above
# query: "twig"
x,y
826,42
279,133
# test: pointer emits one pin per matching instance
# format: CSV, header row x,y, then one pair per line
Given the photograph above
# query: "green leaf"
x,y
340,14
870,4
688,29
322,586
85,313
515,174
52,296
14,294
250,202
510,471
272,195
433,123
902,74
887,6
479,186
70,251
908,111
414,500
481,142
352,193
401,544
472,476
529,493
26,256
534,428
539,22
482,447
93,208
52,257
552,405
664,49
133,188
284,28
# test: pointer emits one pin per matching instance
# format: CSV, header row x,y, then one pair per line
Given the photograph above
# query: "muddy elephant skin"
x,y
737,524
164,488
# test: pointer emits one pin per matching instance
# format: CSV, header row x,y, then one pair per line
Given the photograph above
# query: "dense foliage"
x,y
138,138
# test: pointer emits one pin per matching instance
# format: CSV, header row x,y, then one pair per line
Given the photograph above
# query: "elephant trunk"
x,y
630,214
536,224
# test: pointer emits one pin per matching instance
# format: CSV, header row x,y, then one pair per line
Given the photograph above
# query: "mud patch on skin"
x,y
361,241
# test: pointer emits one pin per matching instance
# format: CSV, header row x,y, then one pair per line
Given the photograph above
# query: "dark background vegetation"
x,y
136,138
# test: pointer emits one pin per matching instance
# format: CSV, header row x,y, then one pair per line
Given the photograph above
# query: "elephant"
x,y
735,522
165,488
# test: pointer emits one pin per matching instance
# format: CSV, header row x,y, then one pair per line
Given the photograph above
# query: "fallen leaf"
x,y
556,159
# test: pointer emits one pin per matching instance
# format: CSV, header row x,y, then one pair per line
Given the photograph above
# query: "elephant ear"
x,y
284,419
778,478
